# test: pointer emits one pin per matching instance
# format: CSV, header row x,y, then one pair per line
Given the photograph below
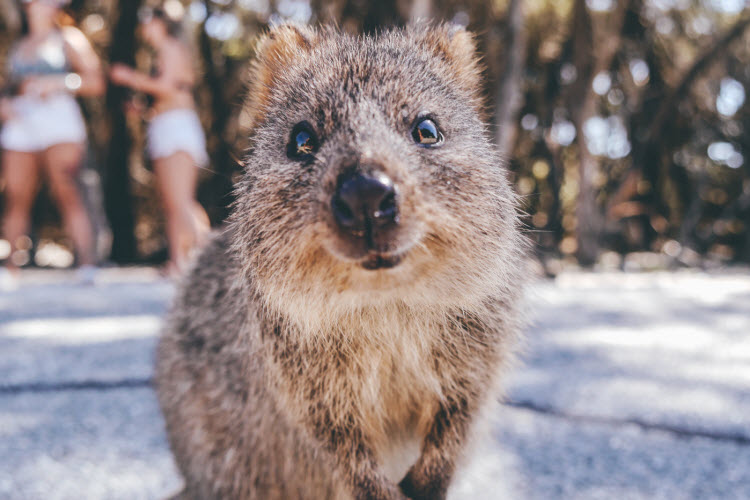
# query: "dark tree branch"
x,y
652,146
702,63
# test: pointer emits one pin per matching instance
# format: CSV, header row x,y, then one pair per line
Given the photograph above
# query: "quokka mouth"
x,y
379,261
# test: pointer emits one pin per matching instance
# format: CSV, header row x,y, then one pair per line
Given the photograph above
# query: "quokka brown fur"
x,y
340,338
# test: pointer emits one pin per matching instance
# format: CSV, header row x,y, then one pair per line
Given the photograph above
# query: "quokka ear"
x,y
456,46
275,51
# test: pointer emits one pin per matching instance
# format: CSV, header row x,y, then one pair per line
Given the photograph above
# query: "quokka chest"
x,y
369,376
381,374
394,394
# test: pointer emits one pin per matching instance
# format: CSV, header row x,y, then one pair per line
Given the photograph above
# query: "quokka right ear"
x,y
275,51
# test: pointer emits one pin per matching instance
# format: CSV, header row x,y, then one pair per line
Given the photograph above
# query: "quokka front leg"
x,y
430,476
357,464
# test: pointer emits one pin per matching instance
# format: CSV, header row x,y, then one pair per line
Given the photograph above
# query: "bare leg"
x,y
62,162
187,223
21,174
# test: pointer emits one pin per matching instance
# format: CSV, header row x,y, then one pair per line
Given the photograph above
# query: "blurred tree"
x,y
509,97
216,193
626,121
117,191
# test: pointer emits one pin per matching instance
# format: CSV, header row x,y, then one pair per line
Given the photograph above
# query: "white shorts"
x,y
177,130
41,122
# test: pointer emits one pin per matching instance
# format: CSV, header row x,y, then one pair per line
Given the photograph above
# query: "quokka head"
x,y
371,178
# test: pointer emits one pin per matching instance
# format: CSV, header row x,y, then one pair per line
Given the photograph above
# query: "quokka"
x,y
340,338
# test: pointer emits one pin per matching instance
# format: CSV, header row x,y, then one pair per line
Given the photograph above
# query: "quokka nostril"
x,y
342,212
364,201
388,210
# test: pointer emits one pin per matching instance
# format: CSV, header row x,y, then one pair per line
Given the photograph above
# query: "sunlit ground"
x,y
633,386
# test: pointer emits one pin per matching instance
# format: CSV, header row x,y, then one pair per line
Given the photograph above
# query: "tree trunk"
x,y
217,192
591,56
582,105
509,96
118,196
358,16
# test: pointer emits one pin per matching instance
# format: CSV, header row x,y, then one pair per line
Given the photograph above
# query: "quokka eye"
x,y
303,143
426,133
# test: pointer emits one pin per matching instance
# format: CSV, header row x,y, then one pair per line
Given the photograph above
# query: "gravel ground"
x,y
634,386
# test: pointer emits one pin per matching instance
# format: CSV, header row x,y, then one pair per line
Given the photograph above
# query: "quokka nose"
x,y
364,203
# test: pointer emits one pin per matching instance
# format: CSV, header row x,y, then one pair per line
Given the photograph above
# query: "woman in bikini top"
x,y
176,142
43,133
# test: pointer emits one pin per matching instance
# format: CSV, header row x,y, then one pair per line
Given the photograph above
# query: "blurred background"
x,y
625,121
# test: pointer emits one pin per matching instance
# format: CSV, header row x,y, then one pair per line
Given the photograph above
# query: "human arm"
x,y
171,72
126,76
84,62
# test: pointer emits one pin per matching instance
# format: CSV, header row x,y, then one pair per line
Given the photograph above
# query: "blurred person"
x,y
43,132
175,140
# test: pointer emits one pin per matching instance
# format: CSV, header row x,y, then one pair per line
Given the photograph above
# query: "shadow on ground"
x,y
633,387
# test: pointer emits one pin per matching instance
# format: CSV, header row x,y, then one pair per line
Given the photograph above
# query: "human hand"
x,y
6,109
121,74
135,105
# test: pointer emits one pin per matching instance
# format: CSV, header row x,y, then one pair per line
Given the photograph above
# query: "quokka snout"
x,y
343,334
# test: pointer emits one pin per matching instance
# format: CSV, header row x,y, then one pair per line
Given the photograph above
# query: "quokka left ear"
x,y
455,45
